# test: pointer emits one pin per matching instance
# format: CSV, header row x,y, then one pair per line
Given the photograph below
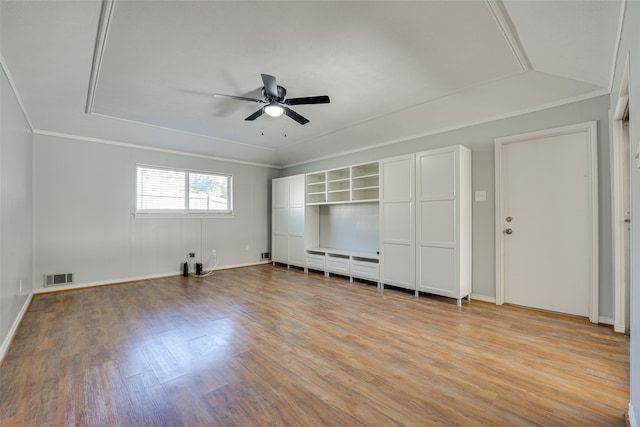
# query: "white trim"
x,y
617,205
524,111
14,88
133,279
104,22
185,212
632,416
604,320
591,129
500,15
14,328
623,8
186,132
85,285
148,148
484,298
185,215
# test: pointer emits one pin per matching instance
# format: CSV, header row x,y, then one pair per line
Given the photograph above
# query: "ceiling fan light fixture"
x,y
274,109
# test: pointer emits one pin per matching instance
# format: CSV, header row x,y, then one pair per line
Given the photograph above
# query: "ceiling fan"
x,y
276,102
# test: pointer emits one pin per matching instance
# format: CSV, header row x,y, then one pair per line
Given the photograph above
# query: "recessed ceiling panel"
x,y
164,60
393,69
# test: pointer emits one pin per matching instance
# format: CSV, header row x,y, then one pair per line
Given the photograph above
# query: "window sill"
x,y
143,215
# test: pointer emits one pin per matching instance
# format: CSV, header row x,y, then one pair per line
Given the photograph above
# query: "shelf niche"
x,y
354,184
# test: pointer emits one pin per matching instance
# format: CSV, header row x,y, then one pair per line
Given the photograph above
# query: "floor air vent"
x,y
58,279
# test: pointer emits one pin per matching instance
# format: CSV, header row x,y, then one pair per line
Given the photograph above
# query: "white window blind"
x,y
163,190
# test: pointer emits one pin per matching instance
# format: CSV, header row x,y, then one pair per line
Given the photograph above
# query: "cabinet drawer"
x,y
315,261
338,264
364,269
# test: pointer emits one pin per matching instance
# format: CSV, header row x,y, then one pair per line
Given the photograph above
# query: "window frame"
x,y
186,212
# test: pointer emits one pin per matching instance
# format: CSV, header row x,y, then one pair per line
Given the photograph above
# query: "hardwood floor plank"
x,y
270,346
191,407
149,401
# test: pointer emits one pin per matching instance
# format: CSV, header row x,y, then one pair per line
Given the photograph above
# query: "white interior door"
x,y
548,220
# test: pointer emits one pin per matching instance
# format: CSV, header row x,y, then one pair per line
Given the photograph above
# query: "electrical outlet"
x,y
213,253
192,254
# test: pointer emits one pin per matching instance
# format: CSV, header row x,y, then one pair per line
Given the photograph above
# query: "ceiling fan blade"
x,y
295,116
324,99
238,98
256,114
270,85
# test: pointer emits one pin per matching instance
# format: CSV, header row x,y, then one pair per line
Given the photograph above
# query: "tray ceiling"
x,y
393,70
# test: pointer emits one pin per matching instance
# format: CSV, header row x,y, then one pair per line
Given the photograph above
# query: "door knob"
x,y
508,231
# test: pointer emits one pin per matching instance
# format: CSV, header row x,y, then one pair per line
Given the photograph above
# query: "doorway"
x,y
546,220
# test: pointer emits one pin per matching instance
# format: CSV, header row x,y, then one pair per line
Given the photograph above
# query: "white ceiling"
x,y
393,70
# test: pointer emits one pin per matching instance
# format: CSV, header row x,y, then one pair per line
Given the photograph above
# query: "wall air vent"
x,y
58,279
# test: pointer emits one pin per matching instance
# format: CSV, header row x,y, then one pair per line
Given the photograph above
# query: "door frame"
x,y
591,129
617,205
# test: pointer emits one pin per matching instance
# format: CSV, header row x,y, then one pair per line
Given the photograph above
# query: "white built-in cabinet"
x,y
357,184
288,220
443,222
423,207
352,184
397,225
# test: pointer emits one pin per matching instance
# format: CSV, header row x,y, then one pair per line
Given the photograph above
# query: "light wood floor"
x,y
269,346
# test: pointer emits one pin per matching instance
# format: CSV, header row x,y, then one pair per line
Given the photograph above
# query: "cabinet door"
x,y
280,248
280,221
296,190
296,251
280,193
296,221
397,230
437,217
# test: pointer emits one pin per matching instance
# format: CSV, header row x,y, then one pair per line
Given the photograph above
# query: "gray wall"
x,y
348,226
16,235
83,215
480,139
630,47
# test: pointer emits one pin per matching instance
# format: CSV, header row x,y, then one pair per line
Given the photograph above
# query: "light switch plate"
x,y
481,196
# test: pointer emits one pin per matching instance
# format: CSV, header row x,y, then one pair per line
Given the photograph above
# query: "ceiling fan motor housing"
x,y
282,93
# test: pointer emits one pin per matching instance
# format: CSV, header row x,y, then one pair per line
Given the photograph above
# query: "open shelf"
x,y
344,185
316,188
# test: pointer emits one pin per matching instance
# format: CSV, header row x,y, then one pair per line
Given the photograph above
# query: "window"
x,y
164,190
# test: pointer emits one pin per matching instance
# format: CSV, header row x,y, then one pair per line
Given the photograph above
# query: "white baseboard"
x,y
620,329
632,417
606,321
74,286
14,328
130,279
483,298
